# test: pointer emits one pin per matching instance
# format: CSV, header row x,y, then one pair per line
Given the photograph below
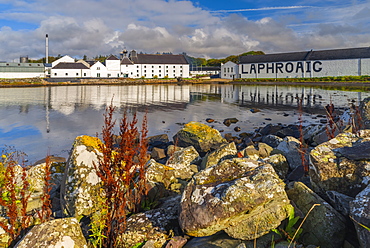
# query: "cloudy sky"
x,y
201,28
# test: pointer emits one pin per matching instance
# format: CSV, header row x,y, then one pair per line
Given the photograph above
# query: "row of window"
x,y
228,69
109,75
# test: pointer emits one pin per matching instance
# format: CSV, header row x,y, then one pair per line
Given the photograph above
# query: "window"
x,y
55,74
153,71
160,75
232,69
166,70
152,66
225,69
76,73
85,74
159,66
108,75
180,66
144,71
144,66
180,70
160,71
228,70
98,75
137,66
166,66
66,74
98,68
137,71
126,65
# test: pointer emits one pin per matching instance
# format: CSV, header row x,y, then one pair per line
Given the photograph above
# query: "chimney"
x,y
47,49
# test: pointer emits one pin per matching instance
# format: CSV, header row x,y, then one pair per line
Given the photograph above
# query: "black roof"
x,y
159,59
126,61
70,65
349,53
112,57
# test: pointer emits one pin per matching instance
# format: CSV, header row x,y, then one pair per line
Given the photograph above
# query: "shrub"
x,y
122,172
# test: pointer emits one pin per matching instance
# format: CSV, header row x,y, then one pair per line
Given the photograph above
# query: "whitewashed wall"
x,y
70,73
298,69
22,75
229,70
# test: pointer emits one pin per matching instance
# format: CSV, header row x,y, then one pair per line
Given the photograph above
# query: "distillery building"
x,y
307,64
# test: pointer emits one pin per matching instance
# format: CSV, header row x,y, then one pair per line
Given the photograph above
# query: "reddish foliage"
x,y
122,171
45,213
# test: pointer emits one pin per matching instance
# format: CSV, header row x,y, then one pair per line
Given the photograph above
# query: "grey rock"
x,y
233,196
290,147
280,164
365,112
225,151
360,213
202,137
324,226
339,201
184,162
272,140
330,170
55,233
158,153
80,184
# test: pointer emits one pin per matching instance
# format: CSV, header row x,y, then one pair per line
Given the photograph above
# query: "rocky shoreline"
x,y
213,190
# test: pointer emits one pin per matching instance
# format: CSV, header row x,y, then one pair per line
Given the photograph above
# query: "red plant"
x,y
122,171
14,198
45,213
302,151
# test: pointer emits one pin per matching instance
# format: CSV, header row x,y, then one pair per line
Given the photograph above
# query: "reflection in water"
x,y
37,119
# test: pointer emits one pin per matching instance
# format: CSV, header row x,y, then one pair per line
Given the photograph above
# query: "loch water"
x,y
46,120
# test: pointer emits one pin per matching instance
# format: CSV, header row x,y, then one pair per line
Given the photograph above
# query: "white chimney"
x,y
47,49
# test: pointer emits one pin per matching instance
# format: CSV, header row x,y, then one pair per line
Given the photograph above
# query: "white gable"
x,y
65,58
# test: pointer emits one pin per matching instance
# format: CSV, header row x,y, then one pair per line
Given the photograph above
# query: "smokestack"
x,y
47,49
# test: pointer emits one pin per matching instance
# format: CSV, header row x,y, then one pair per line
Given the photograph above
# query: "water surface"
x,y
45,120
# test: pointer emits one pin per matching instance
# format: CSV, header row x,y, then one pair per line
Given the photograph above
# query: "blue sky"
x,y
203,28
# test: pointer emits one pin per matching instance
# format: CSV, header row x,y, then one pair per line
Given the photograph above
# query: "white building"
x,y
324,63
133,66
229,70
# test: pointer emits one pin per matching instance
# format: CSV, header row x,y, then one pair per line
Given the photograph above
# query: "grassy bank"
x,y
344,81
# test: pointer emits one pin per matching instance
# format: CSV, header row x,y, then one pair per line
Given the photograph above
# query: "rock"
x,y
55,233
359,151
4,236
270,129
184,162
360,213
324,226
202,137
331,168
315,134
227,122
177,242
237,129
365,112
81,184
290,147
158,140
339,201
245,198
272,140
291,130
152,226
210,120
36,178
220,239
158,153
280,164
225,151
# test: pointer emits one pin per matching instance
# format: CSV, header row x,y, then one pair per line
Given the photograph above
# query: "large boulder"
x,y
324,226
243,197
54,234
202,137
81,184
360,213
341,164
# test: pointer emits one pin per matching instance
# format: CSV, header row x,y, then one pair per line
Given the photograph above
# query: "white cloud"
x,y
102,27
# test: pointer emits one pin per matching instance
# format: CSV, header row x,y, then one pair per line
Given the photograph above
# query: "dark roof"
x,y
126,61
70,65
112,57
159,59
349,53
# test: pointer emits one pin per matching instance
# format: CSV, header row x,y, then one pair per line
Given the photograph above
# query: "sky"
x,y
200,28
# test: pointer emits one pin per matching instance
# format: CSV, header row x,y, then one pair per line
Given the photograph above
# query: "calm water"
x,y
48,119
